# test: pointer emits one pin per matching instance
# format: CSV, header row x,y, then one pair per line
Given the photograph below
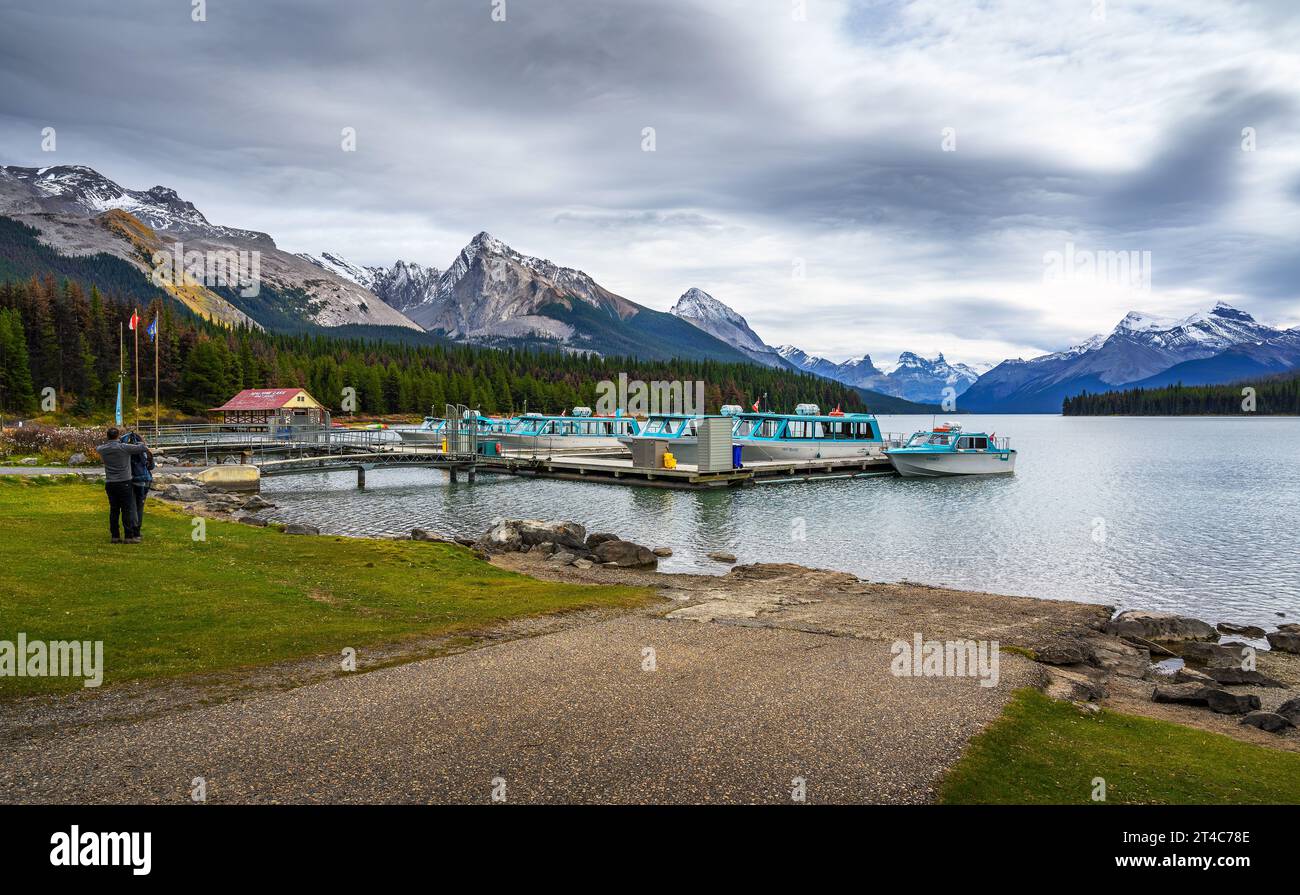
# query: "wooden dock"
x,y
618,470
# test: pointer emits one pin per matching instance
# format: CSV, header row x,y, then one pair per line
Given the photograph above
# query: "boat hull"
x,y
420,436
555,444
938,464
759,450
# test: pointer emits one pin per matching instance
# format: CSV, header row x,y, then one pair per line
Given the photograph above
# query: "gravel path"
x,y
731,714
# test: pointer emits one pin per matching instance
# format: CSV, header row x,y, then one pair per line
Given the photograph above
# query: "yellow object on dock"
x,y
670,462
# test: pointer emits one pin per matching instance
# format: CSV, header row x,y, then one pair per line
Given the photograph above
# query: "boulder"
x,y
562,558
562,534
544,548
1284,641
423,534
1270,721
298,528
1187,675
1165,626
596,538
1290,710
502,537
1289,627
1226,703
29,461
583,564
1240,630
257,503
662,551
183,493
1117,657
624,554
1062,653
1180,694
1214,653
252,520
77,459
722,556
1233,674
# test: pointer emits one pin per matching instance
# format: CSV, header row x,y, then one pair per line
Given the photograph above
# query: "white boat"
x,y
947,450
430,432
542,434
807,434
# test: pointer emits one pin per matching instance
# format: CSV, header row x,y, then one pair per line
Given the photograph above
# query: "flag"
x,y
755,407
135,318
153,329
117,415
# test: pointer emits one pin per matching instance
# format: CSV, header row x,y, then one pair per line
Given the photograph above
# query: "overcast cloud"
x,y
782,146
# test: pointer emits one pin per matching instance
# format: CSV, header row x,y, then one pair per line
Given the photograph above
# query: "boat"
x,y
581,431
677,430
948,450
807,434
434,429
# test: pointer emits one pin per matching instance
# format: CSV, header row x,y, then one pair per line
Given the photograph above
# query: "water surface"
x,y
1197,515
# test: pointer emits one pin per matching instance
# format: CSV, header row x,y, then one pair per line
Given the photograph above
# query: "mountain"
x,y
702,310
1141,348
79,211
920,379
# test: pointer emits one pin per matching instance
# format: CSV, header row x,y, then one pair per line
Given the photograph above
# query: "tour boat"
x,y
807,434
434,429
677,430
581,431
947,450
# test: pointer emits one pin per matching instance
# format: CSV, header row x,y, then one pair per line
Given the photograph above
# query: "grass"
x,y
243,597
1044,751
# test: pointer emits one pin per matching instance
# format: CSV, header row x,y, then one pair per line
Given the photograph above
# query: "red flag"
x,y
135,318
755,407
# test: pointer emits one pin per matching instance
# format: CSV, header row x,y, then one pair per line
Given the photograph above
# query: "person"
x,y
141,481
117,483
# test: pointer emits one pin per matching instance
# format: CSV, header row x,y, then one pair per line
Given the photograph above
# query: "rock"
x,y
1180,694
29,461
1214,653
298,528
466,542
625,554
1062,653
184,493
562,558
257,503
1284,641
583,564
722,556
1289,627
77,459
1270,721
1290,710
544,547
1233,674
1240,630
562,534
252,520
1117,657
1187,675
423,534
502,537
596,538
662,551
1160,626
1226,703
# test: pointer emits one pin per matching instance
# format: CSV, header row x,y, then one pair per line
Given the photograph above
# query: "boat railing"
x,y
894,439
1002,443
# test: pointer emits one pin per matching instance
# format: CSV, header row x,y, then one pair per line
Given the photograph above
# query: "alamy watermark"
x,y
946,658
637,398
1110,268
216,267
55,658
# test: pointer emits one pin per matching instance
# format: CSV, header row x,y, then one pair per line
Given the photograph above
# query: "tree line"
x,y
64,336
1275,395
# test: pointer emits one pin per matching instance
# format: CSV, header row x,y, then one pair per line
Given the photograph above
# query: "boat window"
x,y
981,443
964,443
805,429
745,427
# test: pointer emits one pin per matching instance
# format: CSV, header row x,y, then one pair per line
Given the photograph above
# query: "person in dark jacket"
x,y
141,481
117,483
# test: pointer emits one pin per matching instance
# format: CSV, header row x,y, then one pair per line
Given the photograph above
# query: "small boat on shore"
x,y
536,432
947,450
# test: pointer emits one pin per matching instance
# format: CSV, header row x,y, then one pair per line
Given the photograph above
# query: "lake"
x,y
1196,515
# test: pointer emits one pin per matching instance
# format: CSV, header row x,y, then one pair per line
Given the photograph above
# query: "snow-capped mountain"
x,y
80,211
926,381
340,266
705,312
1140,349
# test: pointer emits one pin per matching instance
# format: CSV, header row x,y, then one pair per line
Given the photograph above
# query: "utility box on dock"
x,y
714,448
648,453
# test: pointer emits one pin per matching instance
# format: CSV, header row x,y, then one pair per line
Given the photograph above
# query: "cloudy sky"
x,y
851,175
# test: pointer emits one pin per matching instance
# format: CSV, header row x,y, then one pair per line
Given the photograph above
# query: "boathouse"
x,y
273,408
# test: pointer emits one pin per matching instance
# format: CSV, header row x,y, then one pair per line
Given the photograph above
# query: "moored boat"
x,y
536,432
807,434
947,450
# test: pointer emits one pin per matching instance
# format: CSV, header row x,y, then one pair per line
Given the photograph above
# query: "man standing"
x,y
141,482
117,482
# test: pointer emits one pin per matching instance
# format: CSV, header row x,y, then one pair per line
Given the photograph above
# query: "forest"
x,y
63,336
1276,395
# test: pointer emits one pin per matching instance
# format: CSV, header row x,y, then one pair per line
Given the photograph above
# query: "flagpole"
x,y
135,338
156,335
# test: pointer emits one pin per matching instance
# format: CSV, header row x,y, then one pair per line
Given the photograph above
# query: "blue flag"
x,y
117,415
153,329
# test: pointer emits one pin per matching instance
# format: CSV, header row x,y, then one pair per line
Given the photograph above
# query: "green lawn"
x,y
1043,751
245,596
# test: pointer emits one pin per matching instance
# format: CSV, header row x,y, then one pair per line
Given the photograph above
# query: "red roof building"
x,y
273,407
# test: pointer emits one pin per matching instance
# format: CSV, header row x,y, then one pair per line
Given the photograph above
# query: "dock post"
x,y
361,477
473,474
451,474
